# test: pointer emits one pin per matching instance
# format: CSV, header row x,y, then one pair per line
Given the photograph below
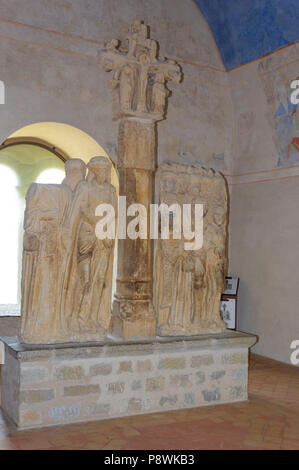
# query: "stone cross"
x,y
139,80
139,101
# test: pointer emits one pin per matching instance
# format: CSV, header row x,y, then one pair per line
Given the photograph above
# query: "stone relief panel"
x,y
188,283
67,270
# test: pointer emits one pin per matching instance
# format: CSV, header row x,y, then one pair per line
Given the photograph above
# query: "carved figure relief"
x,y
188,283
139,81
67,271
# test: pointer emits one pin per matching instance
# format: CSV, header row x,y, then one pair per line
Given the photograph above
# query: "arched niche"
x,y
30,152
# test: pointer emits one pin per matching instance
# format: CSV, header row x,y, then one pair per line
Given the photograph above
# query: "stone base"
x,y
81,337
60,384
215,327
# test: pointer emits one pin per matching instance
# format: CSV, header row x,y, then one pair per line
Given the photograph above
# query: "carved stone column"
x,y
139,101
133,313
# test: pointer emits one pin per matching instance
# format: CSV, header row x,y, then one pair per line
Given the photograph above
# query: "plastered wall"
x,y
264,224
48,64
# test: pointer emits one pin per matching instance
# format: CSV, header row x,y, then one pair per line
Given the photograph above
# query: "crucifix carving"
x,y
139,79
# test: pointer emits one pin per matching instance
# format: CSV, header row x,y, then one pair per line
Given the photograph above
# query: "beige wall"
x,y
48,65
264,243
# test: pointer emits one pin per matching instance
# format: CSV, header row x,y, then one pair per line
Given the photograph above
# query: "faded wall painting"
x,y
281,113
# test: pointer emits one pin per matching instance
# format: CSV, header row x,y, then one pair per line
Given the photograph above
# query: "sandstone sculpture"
x,y
188,283
139,100
139,79
67,270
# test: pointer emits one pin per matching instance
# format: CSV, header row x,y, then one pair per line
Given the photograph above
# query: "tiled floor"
x,y
269,420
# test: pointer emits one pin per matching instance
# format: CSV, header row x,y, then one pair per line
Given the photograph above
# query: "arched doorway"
x,y
35,153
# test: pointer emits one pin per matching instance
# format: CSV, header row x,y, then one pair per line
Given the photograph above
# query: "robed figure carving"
x,y
67,271
188,283
89,287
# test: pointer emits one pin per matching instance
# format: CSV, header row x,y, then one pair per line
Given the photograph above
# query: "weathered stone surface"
x,y
154,384
139,92
135,404
74,353
218,374
180,380
35,356
212,395
60,301
64,413
100,369
240,374
69,373
116,387
199,361
189,276
125,366
133,313
170,399
189,398
31,417
70,394
139,80
136,385
81,390
172,363
36,396
235,358
33,374
237,392
144,366
200,377
10,386
98,409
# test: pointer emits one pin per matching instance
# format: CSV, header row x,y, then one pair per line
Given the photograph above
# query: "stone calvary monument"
x,y
160,344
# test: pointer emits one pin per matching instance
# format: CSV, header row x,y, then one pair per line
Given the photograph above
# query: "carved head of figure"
x,y
99,169
219,214
140,29
75,171
175,73
113,45
136,26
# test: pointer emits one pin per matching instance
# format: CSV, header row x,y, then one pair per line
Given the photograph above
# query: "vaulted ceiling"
x,y
245,30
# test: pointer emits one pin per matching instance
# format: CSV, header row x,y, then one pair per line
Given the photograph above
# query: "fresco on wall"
x,y
287,131
282,114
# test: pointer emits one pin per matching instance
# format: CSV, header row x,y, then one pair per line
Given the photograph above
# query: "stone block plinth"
x,y
68,383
